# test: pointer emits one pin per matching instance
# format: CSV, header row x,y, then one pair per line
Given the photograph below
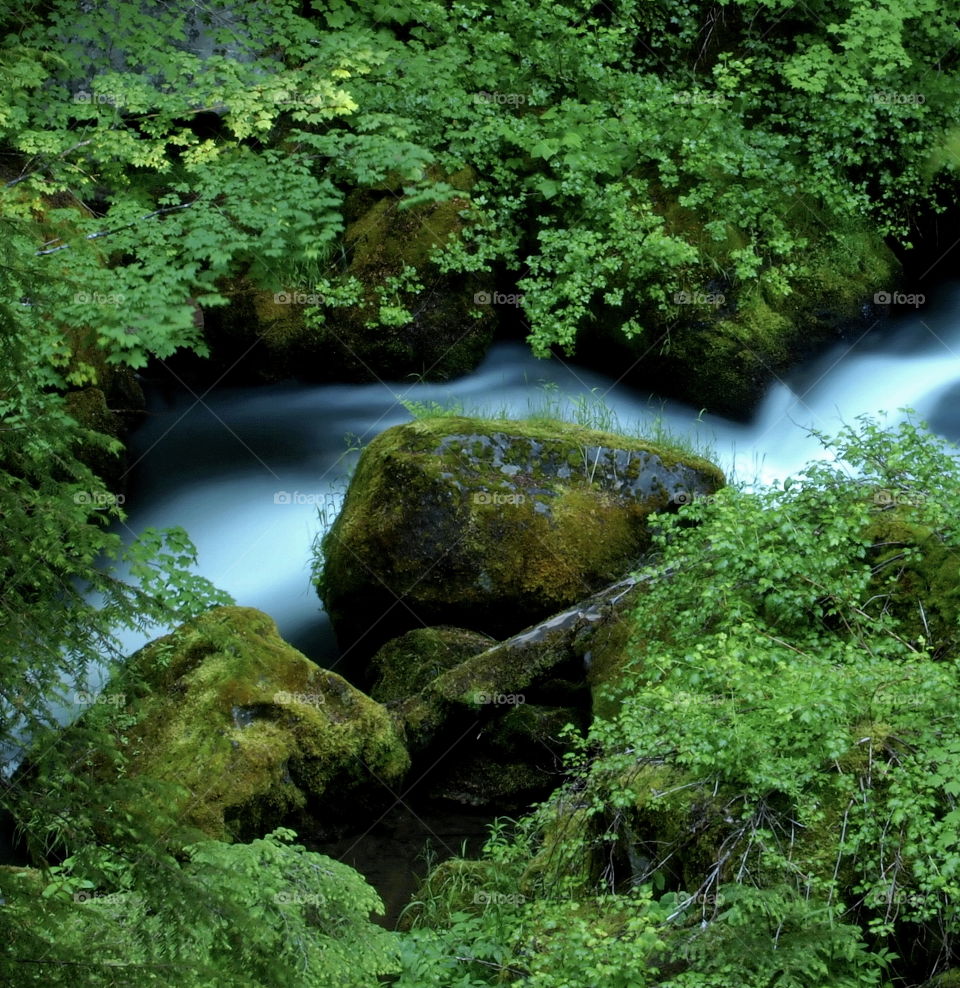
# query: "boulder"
x,y
452,320
404,666
492,525
723,342
398,314
511,761
530,666
253,733
497,712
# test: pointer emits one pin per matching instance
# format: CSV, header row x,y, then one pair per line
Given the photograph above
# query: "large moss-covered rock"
x,y
492,524
916,577
543,664
725,342
499,713
294,330
252,731
449,331
511,760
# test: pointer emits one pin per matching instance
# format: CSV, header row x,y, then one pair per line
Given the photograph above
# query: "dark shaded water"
x,y
397,851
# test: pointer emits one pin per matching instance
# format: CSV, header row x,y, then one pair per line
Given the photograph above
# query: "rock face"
x,y
726,343
452,320
487,720
254,732
404,666
544,660
492,525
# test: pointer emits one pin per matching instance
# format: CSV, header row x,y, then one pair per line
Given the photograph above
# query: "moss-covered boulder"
x,y
724,342
916,577
88,407
492,524
512,760
390,249
499,714
406,664
252,732
543,664
396,314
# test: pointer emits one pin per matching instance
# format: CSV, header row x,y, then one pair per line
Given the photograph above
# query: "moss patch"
x,y
253,731
723,356
918,578
446,335
404,666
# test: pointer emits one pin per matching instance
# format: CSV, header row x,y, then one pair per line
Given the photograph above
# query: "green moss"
x,y
449,333
252,729
610,654
723,356
404,666
917,577
564,859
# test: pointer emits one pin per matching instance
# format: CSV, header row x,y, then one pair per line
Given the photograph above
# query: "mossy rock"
x,y
723,354
88,406
569,833
949,979
111,410
525,668
506,787
450,331
406,664
492,524
261,335
608,650
512,761
474,687
253,733
289,330
917,578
